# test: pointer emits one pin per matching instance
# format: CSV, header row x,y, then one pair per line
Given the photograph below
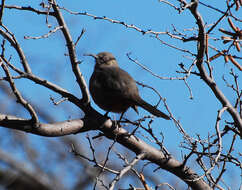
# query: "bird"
x,y
114,90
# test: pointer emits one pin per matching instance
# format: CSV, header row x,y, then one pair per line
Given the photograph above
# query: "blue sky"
x,y
46,57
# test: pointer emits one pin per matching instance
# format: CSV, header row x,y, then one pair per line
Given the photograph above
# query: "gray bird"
x,y
114,90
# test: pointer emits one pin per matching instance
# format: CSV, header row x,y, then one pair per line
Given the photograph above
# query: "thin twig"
x,y
45,35
12,40
2,10
125,170
47,84
79,37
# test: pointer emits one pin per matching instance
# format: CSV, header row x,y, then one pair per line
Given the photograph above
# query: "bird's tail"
x,y
152,109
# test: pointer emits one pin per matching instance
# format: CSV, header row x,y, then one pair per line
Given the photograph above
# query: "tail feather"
x,y
152,109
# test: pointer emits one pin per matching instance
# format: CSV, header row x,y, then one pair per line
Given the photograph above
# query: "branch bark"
x,y
72,54
94,121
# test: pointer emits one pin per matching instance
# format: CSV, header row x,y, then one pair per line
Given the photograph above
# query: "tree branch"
x,y
204,75
125,170
43,129
96,121
12,40
72,54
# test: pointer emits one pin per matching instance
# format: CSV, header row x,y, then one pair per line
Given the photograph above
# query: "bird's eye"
x,y
102,60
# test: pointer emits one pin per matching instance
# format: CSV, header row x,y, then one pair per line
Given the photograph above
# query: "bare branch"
x,y
45,35
28,8
126,169
1,11
72,54
18,95
47,84
79,37
12,40
208,80
49,129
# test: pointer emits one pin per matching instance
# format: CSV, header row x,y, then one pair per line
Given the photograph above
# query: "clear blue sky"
x,y
46,57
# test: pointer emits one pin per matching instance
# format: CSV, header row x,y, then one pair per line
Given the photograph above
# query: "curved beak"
x,y
92,55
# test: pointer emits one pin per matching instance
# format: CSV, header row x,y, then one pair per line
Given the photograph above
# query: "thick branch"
x,y
43,129
94,119
72,54
152,154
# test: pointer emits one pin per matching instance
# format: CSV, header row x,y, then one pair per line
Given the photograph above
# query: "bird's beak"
x,y
92,55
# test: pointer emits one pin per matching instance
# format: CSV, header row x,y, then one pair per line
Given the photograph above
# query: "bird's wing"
x,y
120,82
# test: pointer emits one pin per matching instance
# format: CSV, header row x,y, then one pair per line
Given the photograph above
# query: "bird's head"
x,y
104,59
